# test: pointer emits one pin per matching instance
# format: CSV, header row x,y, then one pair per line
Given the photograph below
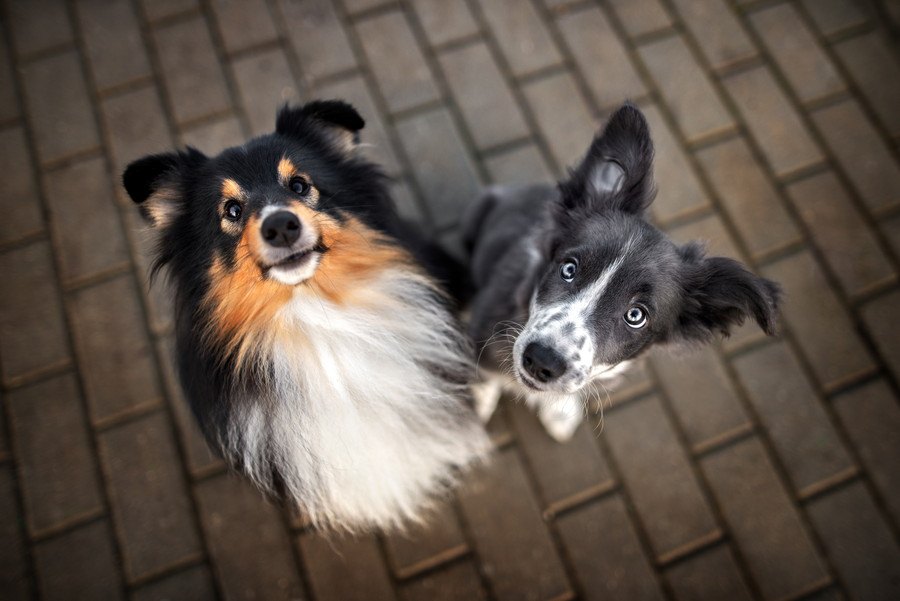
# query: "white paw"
x,y
487,395
561,418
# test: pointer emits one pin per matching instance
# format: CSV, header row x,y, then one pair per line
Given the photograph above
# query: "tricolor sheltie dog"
x,y
573,282
315,341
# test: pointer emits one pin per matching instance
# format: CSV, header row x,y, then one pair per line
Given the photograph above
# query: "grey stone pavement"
x,y
754,469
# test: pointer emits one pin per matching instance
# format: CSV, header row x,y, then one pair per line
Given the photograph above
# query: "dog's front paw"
x,y
487,395
561,418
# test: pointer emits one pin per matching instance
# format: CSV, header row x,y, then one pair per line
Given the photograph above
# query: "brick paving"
x,y
754,469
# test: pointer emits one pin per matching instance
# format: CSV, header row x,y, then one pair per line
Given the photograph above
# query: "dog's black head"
x,y
614,284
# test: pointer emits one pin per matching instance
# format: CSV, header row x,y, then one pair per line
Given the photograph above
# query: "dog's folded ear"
x,y
617,171
154,183
719,293
338,119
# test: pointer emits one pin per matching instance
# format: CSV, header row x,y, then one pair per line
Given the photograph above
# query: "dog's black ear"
x,y
154,183
339,120
617,171
720,293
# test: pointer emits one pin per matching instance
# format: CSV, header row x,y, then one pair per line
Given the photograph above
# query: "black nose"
x,y
281,229
542,362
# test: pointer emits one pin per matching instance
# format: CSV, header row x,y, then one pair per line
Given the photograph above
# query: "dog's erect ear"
x,y
154,183
720,293
617,171
339,120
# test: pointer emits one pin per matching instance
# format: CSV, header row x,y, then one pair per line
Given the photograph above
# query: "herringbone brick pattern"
x,y
754,469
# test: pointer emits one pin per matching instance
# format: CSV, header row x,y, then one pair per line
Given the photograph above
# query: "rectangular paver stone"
x,y
32,329
601,56
160,9
563,117
442,167
689,93
513,544
656,470
148,495
18,195
823,329
641,16
792,415
257,567
265,83
873,65
862,153
519,165
766,527
9,104
56,94
445,21
82,560
84,218
55,453
115,354
717,31
879,317
606,554
13,557
345,569
711,575
244,23
317,36
833,16
522,35
194,584
849,245
871,418
859,542
136,125
38,25
749,196
772,121
795,50
113,40
458,581
439,535
486,102
191,70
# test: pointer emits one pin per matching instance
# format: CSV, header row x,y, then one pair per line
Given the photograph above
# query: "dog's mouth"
x,y
299,258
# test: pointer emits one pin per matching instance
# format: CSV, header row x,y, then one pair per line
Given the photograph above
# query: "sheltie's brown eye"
x,y
233,210
298,185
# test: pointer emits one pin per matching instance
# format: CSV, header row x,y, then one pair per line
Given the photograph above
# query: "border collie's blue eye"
x,y
568,269
233,210
300,186
635,317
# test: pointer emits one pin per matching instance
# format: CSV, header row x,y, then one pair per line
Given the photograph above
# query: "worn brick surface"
x,y
658,475
768,529
84,219
835,352
871,417
862,154
840,232
445,21
56,94
601,56
55,454
696,107
406,81
148,495
13,558
711,575
111,33
607,555
795,419
522,35
875,68
18,196
772,121
192,75
748,469
511,540
230,509
265,84
117,357
79,563
32,332
486,102
794,48
348,569
749,196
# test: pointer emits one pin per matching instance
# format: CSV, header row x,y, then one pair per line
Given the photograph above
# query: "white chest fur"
x,y
362,430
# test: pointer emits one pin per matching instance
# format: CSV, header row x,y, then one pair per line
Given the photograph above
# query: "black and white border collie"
x,y
573,282
317,348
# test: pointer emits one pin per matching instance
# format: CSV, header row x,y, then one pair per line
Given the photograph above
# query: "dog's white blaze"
x,y
363,432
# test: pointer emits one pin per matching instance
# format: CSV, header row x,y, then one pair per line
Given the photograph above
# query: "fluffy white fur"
x,y
362,429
